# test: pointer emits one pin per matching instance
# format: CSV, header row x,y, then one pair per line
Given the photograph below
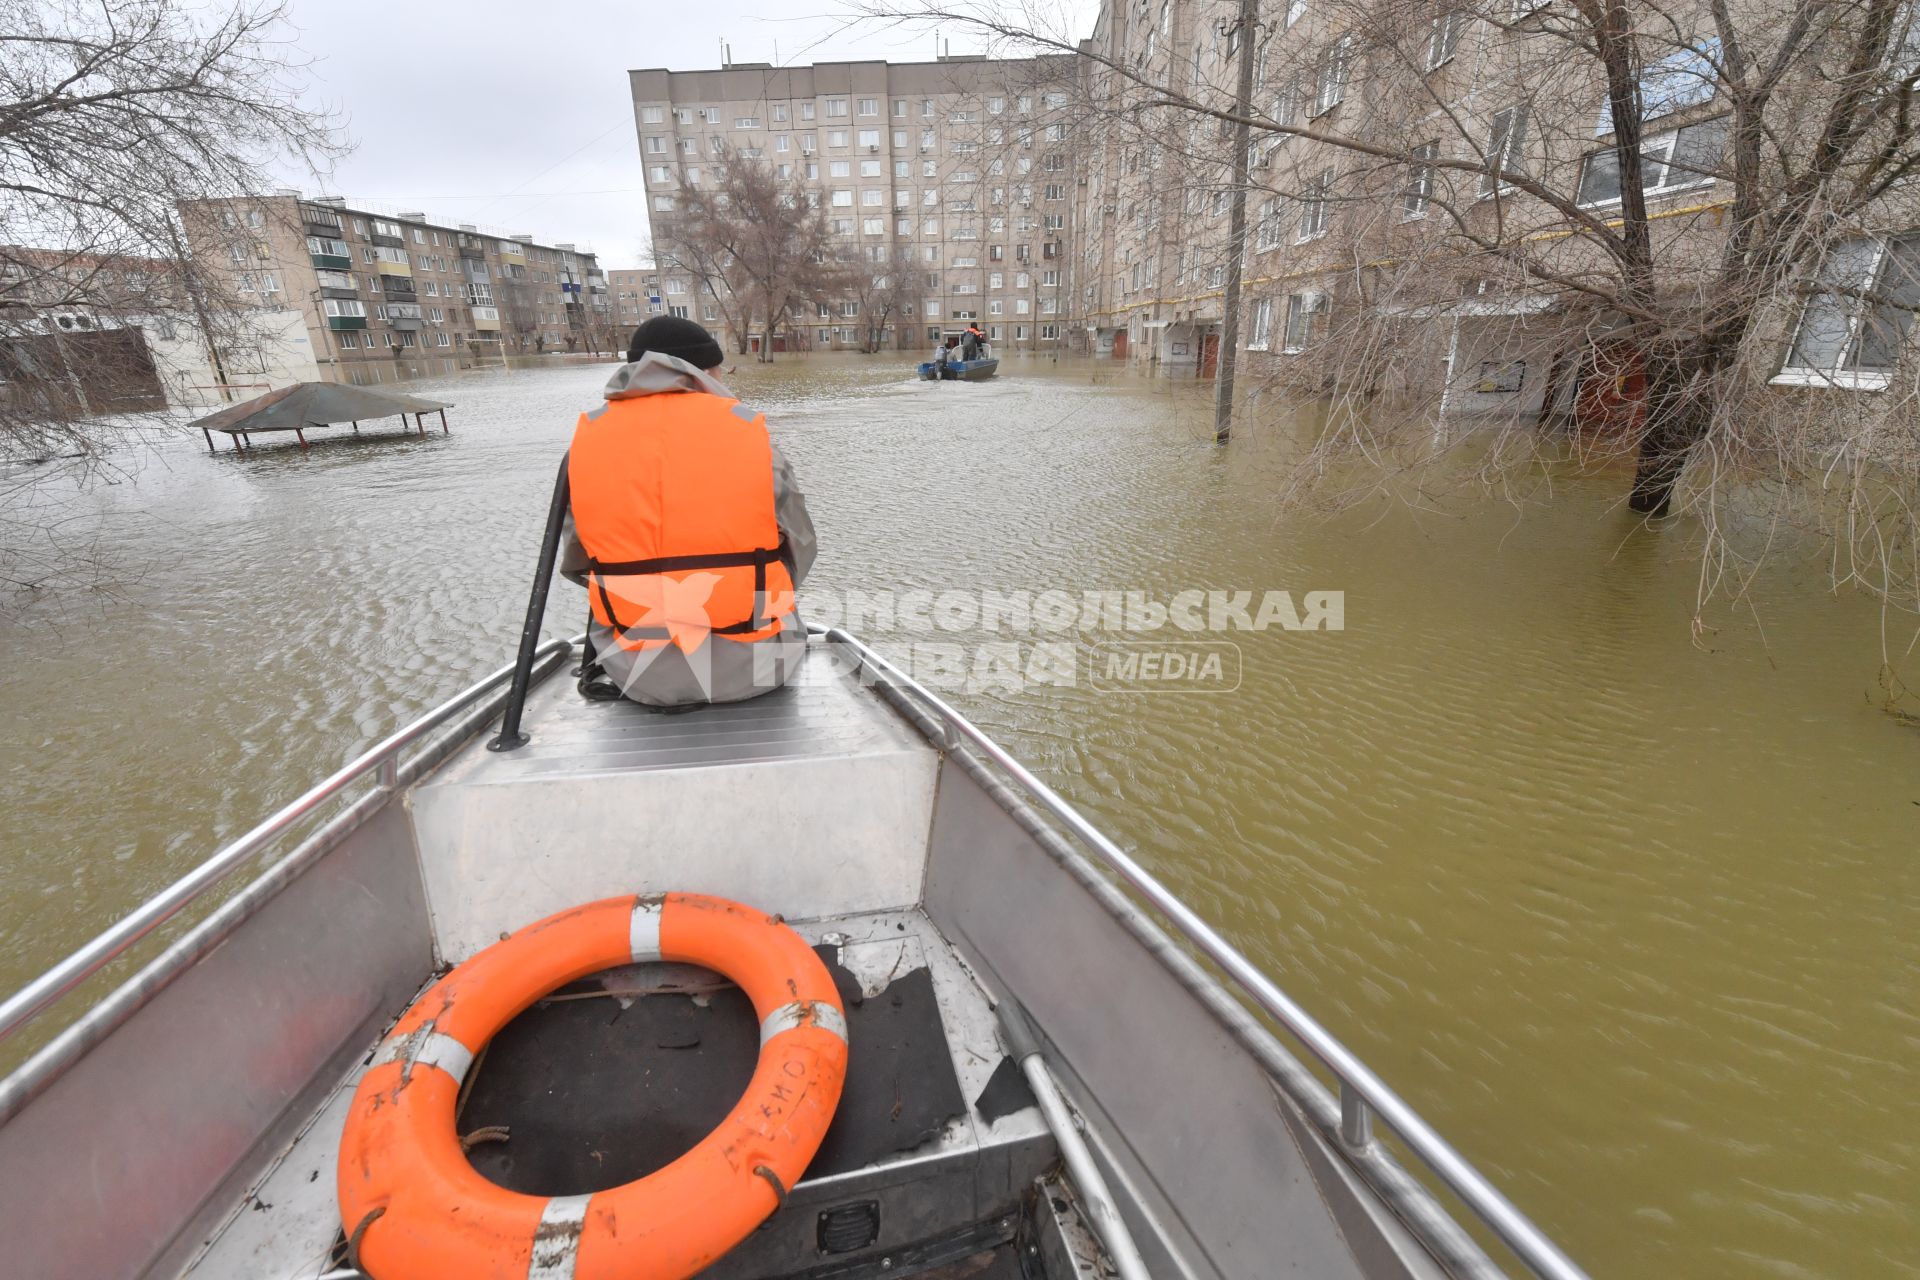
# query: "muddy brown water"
x,y
1633,920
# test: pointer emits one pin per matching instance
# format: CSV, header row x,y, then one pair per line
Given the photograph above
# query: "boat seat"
x,y
810,801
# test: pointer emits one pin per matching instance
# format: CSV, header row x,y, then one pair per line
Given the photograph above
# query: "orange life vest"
x,y
673,500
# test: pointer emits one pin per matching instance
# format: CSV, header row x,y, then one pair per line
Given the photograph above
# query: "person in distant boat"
x,y
971,340
687,529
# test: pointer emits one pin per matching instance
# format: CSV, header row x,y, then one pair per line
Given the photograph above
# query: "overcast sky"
x,y
515,116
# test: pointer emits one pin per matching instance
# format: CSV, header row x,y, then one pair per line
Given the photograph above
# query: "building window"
x,y
806,111
1505,149
779,112
1261,330
869,138
869,106
836,137
349,341
1850,333
1336,65
746,122
1269,237
836,107
1420,178
839,168
656,146
1443,41
1672,161
1302,308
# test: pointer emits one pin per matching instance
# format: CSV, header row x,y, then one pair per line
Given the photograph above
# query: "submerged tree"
x,y
882,285
112,115
1696,209
759,244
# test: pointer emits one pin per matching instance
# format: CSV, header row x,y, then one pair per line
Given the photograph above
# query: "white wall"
x,y
277,353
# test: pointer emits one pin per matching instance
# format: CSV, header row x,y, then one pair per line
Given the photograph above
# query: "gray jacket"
x,y
717,670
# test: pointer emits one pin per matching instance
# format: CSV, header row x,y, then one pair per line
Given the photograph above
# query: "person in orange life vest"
x,y
687,529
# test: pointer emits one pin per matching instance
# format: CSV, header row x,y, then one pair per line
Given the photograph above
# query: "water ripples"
x,y
1633,921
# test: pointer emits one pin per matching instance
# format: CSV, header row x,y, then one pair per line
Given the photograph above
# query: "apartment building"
x,y
382,286
635,297
1467,257
962,171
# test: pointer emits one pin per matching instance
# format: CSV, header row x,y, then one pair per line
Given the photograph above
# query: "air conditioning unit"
x,y
873,150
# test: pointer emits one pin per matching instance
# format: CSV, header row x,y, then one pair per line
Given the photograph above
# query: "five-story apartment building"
x,y
380,286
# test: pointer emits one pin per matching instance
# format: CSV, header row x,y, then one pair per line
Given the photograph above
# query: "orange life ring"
x,y
417,1209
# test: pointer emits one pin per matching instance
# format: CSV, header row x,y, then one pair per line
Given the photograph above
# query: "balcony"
x,y
486,318
319,221
397,287
403,315
346,322
389,242
475,250
337,284
328,254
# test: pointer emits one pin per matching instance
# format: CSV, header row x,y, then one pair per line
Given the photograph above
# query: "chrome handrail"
x,y
1358,1083
33,999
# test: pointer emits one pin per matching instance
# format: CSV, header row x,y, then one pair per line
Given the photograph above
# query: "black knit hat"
x,y
675,336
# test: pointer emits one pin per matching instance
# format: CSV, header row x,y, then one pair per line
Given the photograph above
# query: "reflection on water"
x,y
1632,920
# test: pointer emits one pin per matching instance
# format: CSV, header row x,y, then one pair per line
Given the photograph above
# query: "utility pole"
x,y
1247,26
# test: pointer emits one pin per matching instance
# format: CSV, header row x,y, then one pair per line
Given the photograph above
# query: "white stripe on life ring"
x,y
803,1013
643,935
425,1047
556,1242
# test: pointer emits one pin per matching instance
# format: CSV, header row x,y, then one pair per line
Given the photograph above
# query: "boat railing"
x,y
383,760
1363,1094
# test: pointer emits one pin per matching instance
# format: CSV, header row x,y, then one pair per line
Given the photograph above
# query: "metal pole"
x,y
1102,1213
1248,25
510,737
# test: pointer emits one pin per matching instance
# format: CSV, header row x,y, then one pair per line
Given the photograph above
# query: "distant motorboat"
x,y
959,370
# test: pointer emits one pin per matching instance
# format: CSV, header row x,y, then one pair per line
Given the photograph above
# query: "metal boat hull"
x,y
186,1123
959,370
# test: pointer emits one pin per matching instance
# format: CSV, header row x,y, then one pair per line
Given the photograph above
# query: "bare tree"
x,y
111,115
1674,207
896,299
690,245
763,241
881,283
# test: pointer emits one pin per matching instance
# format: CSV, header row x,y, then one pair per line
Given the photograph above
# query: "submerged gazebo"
x,y
315,404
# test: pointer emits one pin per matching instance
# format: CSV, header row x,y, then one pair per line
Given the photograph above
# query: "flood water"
x,y
1633,920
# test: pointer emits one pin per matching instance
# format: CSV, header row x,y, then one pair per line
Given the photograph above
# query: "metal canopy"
x,y
313,404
